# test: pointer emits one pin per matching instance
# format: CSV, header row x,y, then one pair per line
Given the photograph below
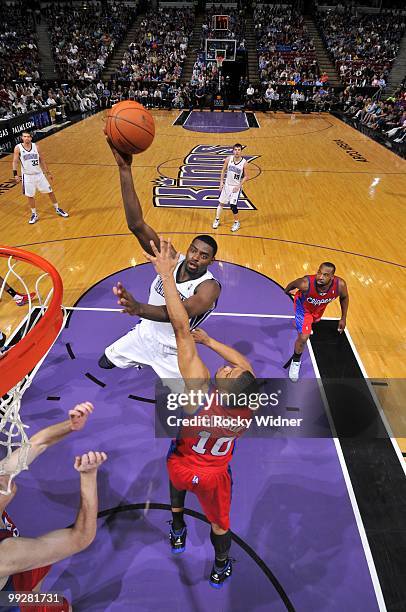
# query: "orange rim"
x,y
25,355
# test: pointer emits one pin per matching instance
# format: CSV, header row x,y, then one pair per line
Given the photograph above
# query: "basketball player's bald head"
x,y
325,273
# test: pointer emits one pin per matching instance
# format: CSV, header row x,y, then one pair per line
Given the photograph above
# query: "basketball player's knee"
x,y
234,209
303,338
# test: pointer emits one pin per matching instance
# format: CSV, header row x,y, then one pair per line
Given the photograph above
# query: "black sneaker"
x,y
178,540
217,579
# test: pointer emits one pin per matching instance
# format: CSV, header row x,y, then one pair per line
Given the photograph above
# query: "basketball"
x,y
130,127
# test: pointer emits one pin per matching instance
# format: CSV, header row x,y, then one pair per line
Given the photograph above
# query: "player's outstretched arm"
x,y
22,554
228,353
302,284
344,303
190,364
48,436
205,297
132,207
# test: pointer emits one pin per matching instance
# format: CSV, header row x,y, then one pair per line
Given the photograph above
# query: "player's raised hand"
x,y
89,461
123,159
79,414
126,300
165,260
200,336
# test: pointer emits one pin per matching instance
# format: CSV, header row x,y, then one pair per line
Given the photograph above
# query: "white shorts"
x,y
138,348
35,182
227,196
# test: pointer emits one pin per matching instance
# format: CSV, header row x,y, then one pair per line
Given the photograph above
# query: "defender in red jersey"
x,y
24,562
314,294
198,460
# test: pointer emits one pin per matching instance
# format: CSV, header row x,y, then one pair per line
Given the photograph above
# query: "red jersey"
x,y
208,442
312,300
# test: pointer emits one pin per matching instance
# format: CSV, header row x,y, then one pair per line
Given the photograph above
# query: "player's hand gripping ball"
x,y
130,127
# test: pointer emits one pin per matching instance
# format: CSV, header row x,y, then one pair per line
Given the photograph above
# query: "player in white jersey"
x,y
34,172
235,172
152,341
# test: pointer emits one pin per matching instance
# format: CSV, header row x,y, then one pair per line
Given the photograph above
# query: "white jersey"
x,y
29,160
234,172
163,332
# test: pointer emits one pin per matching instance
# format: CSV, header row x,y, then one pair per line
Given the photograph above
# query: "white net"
x,y
14,442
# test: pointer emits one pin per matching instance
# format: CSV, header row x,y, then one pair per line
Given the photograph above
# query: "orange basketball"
x,y
130,127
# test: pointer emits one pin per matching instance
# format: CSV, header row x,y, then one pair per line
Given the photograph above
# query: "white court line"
x,y
256,119
377,403
351,494
213,314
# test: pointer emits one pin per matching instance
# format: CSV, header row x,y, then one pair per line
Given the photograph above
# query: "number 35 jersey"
x,y
29,160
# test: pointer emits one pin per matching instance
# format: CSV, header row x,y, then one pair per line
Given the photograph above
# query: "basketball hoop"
x,y
28,347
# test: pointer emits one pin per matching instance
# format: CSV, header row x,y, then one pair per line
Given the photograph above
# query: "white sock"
x,y
56,205
34,211
218,212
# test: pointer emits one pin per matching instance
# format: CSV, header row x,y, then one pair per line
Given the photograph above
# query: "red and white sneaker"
x,y
23,299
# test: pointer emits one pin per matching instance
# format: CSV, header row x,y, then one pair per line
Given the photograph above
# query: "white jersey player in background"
x,y
152,342
233,176
33,175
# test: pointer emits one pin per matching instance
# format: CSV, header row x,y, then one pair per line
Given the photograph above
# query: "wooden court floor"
x,y
322,191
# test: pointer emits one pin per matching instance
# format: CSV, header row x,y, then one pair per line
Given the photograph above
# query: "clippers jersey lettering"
x,y
163,332
234,172
29,160
210,448
312,301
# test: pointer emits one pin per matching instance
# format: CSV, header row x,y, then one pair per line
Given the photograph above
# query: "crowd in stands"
x,y
19,58
160,47
363,46
385,116
274,98
286,52
67,100
83,37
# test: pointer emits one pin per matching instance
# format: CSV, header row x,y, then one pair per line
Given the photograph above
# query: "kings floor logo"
x,y
197,184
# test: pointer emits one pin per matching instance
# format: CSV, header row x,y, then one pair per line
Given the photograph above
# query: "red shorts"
x,y
27,581
304,322
212,489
